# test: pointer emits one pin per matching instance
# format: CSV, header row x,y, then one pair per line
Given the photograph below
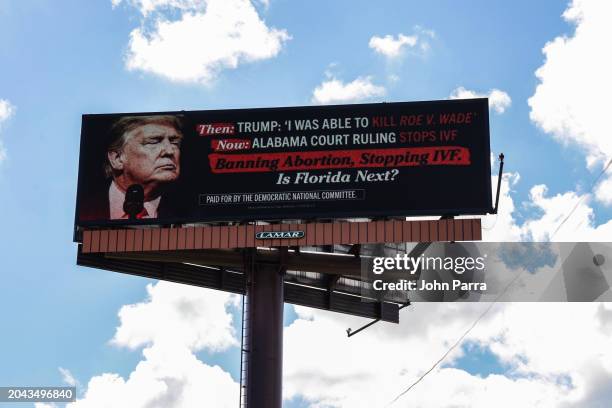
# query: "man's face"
x,y
150,156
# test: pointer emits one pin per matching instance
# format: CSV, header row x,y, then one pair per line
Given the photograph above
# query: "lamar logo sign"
x,y
279,235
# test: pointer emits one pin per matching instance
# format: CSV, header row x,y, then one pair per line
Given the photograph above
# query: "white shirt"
x,y
116,197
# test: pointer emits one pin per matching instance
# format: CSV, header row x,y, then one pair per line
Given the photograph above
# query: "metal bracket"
x,y
350,331
499,179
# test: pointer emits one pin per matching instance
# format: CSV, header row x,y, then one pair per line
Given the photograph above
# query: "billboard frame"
x,y
314,215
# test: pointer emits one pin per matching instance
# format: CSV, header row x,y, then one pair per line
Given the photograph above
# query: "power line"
x,y
581,199
458,342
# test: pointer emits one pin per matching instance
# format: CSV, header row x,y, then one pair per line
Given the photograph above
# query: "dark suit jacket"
x,y
95,206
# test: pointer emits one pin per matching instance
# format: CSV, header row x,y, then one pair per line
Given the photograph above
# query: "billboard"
x,y
343,161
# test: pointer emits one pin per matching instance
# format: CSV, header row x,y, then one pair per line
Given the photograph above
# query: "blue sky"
x,y
62,59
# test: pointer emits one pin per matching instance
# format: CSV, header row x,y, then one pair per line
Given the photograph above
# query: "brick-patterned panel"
x,y
243,236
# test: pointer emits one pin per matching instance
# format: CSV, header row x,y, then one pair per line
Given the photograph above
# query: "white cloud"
x,y
368,369
6,111
571,101
168,377
334,90
547,223
328,369
149,6
172,324
393,46
579,227
499,101
208,37
603,191
548,364
67,377
2,152
182,308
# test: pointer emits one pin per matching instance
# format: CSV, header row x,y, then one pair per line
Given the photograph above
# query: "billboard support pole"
x,y
264,368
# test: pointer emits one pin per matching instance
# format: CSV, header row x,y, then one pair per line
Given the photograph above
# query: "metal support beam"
x,y
264,377
334,264
234,281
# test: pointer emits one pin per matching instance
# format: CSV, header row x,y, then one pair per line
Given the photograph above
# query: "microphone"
x,y
134,201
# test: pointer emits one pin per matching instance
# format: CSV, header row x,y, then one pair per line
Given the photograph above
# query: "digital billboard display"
x,y
342,161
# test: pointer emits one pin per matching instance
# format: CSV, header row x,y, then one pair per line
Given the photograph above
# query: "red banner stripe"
x,y
339,159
